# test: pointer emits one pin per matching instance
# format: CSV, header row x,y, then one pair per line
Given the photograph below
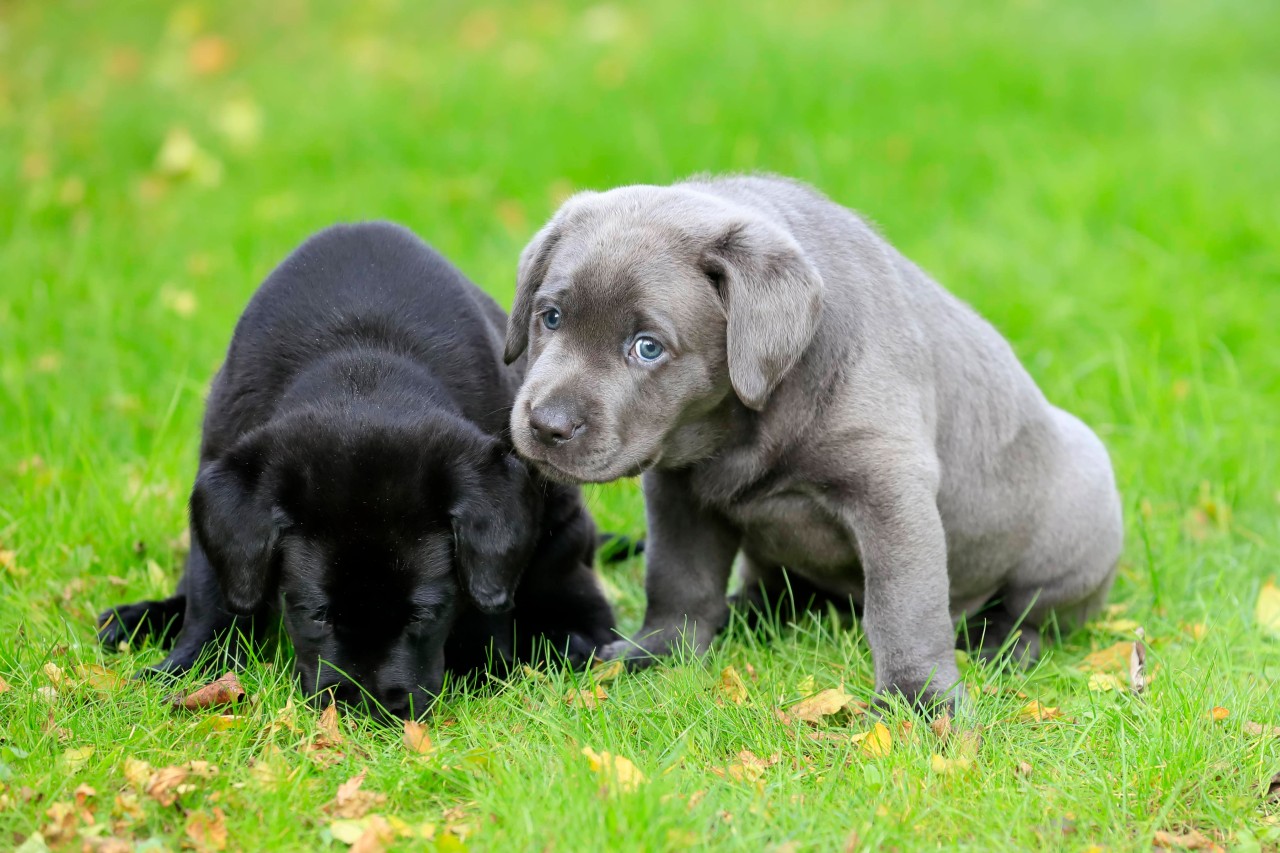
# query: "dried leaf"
x,y
605,671
1111,659
166,785
136,772
53,672
1117,626
98,677
74,759
875,743
207,831
1105,682
1267,612
270,769
330,725
4,687
732,688
286,719
1024,769
807,685
61,827
617,771
584,698
416,739
376,836
1034,712
823,704
216,694
1259,730
947,766
350,802
750,767
1219,713
941,727
1191,840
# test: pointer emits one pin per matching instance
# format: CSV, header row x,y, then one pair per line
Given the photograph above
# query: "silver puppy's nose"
x,y
554,425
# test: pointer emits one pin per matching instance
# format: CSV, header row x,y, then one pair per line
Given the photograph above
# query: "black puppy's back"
x,y
304,319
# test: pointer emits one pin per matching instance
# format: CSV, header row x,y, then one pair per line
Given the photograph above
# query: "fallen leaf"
x,y
136,772
416,739
286,719
74,759
1035,712
1219,713
1138,666
1259,730
226,722
53,672
207,831
1104,682
270,768
1024,769
584,698
605,671
208,55
875,743
1267,612
946,766
166,785
823,704
4,687
98,677
376,836
732,688
941,727
1191,840
807,685
750,767
617,771
350,802
1110,659
1117,626
62,824
83,793
216,694
330,726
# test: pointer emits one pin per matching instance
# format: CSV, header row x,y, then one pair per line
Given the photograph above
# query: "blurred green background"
x,y
1099,179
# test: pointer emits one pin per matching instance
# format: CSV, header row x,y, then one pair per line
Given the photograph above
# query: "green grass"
x,y
1100,179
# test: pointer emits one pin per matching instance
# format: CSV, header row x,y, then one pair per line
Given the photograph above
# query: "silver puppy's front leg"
x,y
906,614
688,557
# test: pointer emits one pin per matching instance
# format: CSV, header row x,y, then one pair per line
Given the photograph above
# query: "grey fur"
x,y
823,406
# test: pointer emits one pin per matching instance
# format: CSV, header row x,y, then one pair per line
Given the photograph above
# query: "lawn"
x,y
1099,179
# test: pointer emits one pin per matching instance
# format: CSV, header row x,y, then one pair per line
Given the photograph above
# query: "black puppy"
x,y
356,475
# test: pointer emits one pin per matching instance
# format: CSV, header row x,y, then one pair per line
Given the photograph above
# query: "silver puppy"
x,y
795,390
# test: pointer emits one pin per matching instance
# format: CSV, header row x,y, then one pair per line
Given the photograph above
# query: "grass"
x,y
1099,179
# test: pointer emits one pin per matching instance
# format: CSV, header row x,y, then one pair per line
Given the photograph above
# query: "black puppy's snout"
x,y
555,424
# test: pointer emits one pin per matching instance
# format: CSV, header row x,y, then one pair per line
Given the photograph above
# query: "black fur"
x,y
356,477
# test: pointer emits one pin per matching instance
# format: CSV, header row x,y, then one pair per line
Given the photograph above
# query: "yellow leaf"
x,y
330,725
875,743
1034,712
606,671
98,677
750,767
53,672
1268,610
136,772
1219,713
225,722
348,831
807,685
947,766
586,698
819,705
1117,626
4,686
74,759
416,739
732,688
615,769
1113,658
1105,682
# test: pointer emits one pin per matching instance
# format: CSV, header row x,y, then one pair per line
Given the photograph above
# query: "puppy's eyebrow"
x,y
646,321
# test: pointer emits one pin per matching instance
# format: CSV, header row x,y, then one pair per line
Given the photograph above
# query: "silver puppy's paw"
x,y
931,698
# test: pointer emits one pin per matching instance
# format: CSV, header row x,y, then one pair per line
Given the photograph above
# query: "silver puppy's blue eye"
x,y
551,318
647,349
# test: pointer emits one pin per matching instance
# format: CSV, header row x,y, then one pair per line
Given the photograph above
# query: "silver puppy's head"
x,y
644,310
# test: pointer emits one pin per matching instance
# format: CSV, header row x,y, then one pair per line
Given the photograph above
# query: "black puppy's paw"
x,y
129,623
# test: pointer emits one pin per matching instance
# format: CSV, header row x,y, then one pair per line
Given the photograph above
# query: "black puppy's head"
x,y
371,536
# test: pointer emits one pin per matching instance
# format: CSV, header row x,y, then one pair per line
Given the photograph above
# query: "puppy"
x,y
796,391
356,477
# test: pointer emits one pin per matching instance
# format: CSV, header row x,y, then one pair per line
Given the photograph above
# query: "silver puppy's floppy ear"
x,y
534,263
238,529
495,525
773,298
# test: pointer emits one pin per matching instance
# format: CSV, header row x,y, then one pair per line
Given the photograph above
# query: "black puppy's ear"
x,y
238,529
495,524
773,298
534,262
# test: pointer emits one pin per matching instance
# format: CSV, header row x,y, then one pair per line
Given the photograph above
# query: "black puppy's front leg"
x,y
205,622
560,603
688,558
